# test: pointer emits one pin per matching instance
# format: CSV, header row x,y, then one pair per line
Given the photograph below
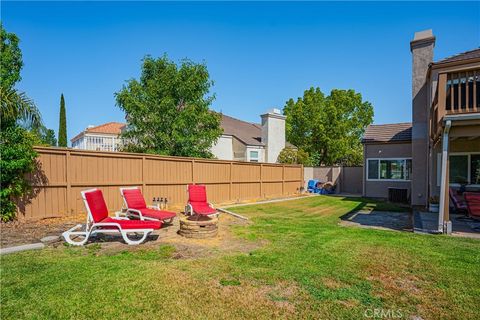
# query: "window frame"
x,y
253,159
379,168
469,161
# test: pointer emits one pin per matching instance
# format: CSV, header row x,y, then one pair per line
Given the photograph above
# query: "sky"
x,y
259,55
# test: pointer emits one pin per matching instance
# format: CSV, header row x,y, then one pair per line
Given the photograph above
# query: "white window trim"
x,y
253,159
469,154
387,180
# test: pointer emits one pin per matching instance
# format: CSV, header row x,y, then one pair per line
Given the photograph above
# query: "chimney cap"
x,y
422,38
274,111
425,34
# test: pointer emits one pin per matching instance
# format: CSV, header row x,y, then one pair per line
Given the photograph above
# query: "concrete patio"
x,y
383,220
427,222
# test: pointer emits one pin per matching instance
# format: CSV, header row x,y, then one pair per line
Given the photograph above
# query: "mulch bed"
x,y
20,232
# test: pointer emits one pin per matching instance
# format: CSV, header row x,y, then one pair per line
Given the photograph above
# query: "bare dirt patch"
x,y
20,232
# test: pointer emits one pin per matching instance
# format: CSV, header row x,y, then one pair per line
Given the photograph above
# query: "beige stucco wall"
x,y
379,189
239,150
273,135
223,149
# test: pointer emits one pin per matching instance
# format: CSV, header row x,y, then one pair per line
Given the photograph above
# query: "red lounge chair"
x,y
197,201
137,207
473,204
98,221
458,201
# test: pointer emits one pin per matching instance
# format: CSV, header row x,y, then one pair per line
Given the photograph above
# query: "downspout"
x,y
443,186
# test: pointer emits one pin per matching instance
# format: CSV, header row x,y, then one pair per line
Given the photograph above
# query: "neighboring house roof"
x,y
394,132
247,132
106,128
467,55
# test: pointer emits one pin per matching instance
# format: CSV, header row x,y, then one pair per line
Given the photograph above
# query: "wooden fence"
x,y
63,173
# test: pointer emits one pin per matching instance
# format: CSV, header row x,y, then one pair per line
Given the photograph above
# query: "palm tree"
x,y
17,107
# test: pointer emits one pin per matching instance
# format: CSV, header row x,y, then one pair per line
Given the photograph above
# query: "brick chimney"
x,y
422,55
273,134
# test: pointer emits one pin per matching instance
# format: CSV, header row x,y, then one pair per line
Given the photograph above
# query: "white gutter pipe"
x,y
443,186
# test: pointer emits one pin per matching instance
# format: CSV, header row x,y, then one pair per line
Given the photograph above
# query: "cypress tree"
x,y
62,130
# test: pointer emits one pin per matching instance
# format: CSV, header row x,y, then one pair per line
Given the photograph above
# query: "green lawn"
x,y
307,267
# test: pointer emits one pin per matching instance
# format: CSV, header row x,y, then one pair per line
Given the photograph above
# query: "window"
x,y
389,169
459,169
253,156
465,168
372,169
475,169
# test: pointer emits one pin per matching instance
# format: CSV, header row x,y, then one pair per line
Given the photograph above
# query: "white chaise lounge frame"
x,y
91,228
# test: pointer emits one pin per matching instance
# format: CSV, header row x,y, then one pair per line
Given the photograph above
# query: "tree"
x,y
17,159
17,112
167,110
329,128
11,62
46,136
62,128
17,107
291,155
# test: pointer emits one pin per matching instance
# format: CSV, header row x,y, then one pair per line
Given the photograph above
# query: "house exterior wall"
x,y
239,150
379,188
223,149
260,150
97,142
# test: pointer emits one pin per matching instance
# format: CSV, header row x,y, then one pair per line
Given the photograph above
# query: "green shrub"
x,y
290,155
17,160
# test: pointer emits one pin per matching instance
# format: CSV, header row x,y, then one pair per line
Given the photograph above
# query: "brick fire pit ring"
x,y
198,227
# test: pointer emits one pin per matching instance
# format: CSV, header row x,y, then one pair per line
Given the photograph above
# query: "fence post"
x,y
144,184
283,180
193,171
69,205
261,181
230,195
302,180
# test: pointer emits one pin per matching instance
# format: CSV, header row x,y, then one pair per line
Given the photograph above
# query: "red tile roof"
x,y
394,132
107,128
110,128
